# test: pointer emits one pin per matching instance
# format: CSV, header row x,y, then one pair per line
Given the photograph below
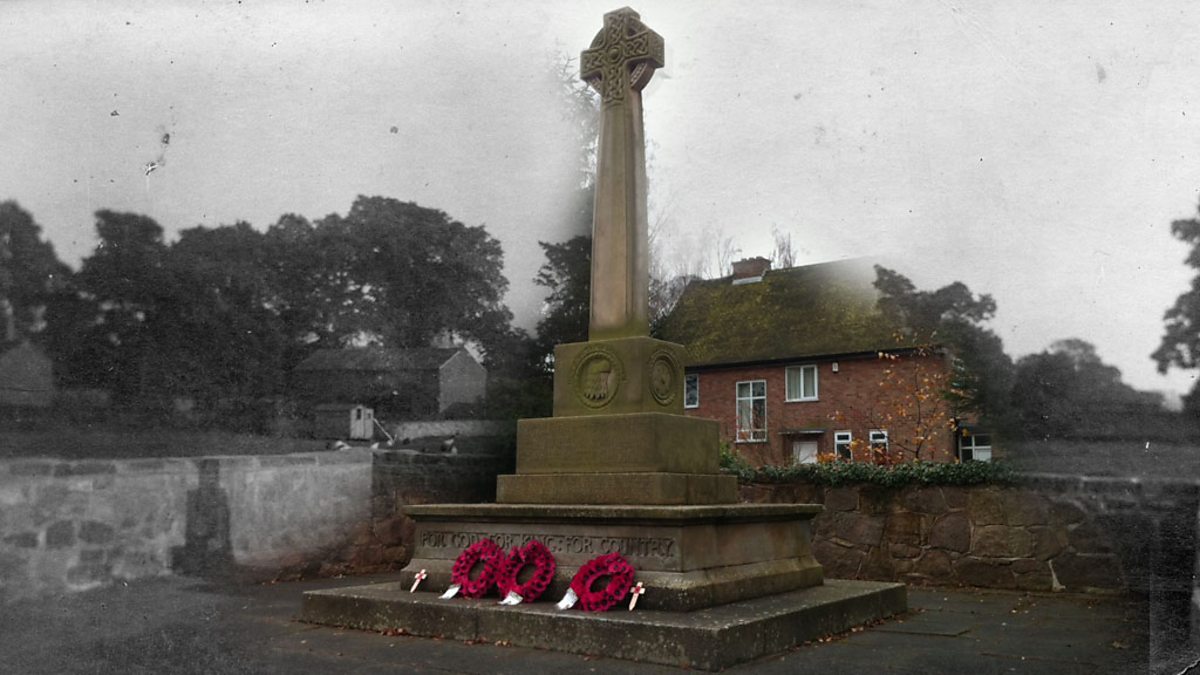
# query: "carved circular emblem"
x,y
598,375
664,383
614,54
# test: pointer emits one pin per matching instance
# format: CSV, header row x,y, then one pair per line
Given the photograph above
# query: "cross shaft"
x,y
620,62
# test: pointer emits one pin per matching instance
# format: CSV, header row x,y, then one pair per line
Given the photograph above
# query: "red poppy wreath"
x,y
536,554
620,579
492,557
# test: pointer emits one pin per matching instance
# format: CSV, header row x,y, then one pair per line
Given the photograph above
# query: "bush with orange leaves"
x,y
911,401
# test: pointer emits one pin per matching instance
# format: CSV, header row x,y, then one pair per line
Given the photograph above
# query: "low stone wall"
x,y
402,477
1050,533
74,525
425,429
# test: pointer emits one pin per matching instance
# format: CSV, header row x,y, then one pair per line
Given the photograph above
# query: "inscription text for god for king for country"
x,y
559,544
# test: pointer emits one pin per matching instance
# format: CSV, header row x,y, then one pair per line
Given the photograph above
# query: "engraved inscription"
x,y
559,544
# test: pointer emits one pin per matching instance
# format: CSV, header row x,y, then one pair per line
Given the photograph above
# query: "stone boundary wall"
x,y
402,477
424,429
1050,533
75,525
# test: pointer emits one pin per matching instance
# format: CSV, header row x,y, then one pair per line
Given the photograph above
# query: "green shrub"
x,y
843,473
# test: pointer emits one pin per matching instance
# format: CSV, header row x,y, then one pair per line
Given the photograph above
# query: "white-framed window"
x,y
878,438
752,411
691,391
841,445
802,383
974,446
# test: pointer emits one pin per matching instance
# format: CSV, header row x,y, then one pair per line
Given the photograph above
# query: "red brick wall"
x,y
854,391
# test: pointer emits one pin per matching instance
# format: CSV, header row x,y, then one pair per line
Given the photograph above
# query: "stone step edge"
x,y
706,639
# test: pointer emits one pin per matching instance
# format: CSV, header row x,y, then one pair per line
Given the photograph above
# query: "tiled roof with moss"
x,y
796,312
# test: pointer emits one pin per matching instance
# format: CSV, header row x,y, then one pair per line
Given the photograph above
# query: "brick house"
x,y
799,362
416,383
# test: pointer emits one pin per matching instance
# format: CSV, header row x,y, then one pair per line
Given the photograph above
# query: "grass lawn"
x,y
1153,459
90,443
109,442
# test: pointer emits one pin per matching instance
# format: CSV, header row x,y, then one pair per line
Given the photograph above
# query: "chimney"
x,y
750,270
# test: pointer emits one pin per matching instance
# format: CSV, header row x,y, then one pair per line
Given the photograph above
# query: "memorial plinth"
x,y
620,468
618,435
691,556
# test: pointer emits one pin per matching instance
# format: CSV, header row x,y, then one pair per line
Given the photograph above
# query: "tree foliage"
x,y
127,279
954,317
31,275
1180,347
910,401
401,274
1067,391
222,326
566,275
228,311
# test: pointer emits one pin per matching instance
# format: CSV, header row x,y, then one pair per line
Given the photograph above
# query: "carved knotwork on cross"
x,y
622,57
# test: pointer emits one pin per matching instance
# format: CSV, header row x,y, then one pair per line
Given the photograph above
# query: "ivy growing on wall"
x,y
844,473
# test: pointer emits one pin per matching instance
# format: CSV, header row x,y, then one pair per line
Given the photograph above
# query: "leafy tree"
x,y
402,274
127,279
1180,347
954,317
526,389
1068,391
567,275
221,326
31,275
228,311
293,261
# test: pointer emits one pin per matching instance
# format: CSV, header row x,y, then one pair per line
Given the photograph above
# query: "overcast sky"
x,y
1035,151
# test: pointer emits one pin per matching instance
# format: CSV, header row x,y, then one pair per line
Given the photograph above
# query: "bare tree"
x,y
784,253
723,254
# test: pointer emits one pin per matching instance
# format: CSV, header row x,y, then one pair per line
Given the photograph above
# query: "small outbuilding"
x,y
398,384
343,420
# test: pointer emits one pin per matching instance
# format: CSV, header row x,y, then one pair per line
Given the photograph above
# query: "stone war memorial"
x,y
620,469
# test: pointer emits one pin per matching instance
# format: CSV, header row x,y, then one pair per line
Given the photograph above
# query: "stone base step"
x,y
708,639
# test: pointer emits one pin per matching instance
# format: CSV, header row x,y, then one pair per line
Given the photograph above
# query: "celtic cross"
x,y
622,57
619,63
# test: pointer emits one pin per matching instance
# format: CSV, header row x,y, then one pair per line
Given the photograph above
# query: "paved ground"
x,y
178,625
